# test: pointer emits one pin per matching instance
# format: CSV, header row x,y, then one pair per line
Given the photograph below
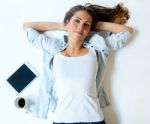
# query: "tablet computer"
x,y
22,77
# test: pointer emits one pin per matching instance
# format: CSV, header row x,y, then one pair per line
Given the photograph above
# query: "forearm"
x,y
44,26
113,27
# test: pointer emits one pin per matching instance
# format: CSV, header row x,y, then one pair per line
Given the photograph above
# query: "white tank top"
x,y
75,82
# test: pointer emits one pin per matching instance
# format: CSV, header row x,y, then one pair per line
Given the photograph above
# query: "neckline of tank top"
x,y
73,57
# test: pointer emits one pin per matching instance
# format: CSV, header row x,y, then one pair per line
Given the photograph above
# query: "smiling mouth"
x,y
78,33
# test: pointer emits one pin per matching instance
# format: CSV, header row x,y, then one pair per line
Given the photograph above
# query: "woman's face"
x,y
79,25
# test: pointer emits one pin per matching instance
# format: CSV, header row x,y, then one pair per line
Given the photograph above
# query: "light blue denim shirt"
x,y
46,97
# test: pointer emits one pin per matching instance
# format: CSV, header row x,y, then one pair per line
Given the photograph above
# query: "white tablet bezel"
x,y
32,69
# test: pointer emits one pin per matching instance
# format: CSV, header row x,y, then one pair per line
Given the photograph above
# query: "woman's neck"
x,y
74,48
74,45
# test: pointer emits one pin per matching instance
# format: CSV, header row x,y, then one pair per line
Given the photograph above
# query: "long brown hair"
x,y
117,14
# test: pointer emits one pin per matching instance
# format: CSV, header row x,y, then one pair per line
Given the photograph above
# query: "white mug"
x,y
20,102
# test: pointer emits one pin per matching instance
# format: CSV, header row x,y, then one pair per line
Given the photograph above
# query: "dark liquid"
x,y
21,102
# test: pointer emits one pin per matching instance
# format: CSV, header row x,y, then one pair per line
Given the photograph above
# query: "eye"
x,y
77,20
87,25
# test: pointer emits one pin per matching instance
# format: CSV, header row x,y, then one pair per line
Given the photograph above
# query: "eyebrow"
x,y
81,19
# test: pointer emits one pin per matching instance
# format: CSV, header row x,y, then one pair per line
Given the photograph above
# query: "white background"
x,y
127,77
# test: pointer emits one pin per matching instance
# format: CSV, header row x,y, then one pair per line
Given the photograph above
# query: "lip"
x,y
78,33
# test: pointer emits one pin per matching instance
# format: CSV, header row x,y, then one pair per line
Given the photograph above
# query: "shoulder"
x,y
97,41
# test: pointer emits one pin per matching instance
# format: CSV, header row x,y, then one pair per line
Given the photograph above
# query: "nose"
x,y
80,27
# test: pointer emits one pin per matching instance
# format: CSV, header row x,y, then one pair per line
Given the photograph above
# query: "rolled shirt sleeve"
x,y
116,41
42,41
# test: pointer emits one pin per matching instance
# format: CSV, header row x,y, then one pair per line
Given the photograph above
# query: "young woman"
x,y
72,84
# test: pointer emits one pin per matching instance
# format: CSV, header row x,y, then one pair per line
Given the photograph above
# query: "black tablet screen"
x,y
21,78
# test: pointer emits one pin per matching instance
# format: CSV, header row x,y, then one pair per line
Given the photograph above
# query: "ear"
x,y
66,25
67,21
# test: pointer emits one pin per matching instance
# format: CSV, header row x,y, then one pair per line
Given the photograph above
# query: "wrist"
x,y
61,26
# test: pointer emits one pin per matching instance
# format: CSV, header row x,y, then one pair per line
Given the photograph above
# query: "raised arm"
x,y
113,27
44,26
